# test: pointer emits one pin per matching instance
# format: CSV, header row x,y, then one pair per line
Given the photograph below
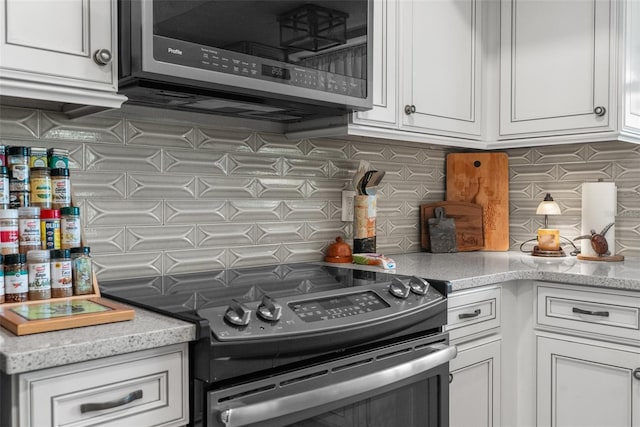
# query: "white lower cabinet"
x,y
146,388
588,356
474,325
587,383
474,392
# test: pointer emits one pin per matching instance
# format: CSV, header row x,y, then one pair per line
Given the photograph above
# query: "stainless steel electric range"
x,y
307,344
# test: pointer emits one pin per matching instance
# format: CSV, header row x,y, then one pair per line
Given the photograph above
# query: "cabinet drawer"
x,y
142,389
592,311
473,311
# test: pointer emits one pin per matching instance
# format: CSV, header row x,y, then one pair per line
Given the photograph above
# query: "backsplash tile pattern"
x,y
162,195
561,170
166,196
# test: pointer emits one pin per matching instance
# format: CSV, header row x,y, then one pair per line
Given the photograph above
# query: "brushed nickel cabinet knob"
x,y
102,56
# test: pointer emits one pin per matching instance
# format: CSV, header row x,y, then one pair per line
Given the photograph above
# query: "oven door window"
x,y
405,384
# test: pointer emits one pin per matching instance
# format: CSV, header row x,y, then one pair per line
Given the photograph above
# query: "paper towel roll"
x,y
599,207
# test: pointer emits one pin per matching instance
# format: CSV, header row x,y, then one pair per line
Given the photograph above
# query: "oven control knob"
x,y
237,313
419,286
269,310
399,289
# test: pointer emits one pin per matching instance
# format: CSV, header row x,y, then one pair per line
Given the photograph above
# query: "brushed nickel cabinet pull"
x,y
89,407
475,313
591,313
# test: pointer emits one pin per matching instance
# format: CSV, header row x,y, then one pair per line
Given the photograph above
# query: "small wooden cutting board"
x,y
468,223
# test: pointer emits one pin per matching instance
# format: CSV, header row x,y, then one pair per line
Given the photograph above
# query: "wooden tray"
x,y
54,314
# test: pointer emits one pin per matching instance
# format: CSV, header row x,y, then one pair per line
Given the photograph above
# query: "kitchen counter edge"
x,y
146,330
466,270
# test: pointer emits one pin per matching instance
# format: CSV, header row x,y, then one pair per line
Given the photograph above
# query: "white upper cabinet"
x,y
385,60
556,76
61,51
441,60
631,83
566,72
427,80
504,73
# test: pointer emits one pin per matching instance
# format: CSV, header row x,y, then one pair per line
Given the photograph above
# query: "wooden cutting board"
x,y
483,178
468,223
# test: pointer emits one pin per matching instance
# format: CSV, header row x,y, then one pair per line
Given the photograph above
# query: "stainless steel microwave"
x,y
279,60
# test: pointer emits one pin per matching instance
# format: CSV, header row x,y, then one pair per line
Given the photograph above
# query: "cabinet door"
x,y
632,67
54,42
555,67
586,384
474,392
441,59
385,64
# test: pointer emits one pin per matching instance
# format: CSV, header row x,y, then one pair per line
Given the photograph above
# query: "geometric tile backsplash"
x,y
162,196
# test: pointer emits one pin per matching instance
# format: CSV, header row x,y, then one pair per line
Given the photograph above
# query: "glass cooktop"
x,y
190,292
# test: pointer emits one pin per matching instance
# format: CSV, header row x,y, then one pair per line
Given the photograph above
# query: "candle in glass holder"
x,y
548,239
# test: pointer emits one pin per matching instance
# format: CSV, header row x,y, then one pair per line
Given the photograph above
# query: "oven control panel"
x,y
338,306
323,311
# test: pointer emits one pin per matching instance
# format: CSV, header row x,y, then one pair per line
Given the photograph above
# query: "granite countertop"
x,y
471,269
44,350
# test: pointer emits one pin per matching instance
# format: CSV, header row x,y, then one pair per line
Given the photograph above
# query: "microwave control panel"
x,y
194,55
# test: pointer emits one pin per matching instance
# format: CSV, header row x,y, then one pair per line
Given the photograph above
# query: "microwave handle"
x,y
254,413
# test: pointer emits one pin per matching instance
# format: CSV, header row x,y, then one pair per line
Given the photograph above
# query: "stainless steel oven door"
x,y
404,384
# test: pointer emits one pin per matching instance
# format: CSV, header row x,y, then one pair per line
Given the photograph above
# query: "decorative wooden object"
x,y
64,313
483,178
442,233
468,221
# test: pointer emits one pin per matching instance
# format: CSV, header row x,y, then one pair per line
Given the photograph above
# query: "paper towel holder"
x,y
598,242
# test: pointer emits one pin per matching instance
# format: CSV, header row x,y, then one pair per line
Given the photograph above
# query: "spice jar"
x,y
38,264
38,158
58,158
1,279
50,228
29,237
60,188
40,184
4,187
61,276
3,155
8,231
82,270
18,163
70,231
16,278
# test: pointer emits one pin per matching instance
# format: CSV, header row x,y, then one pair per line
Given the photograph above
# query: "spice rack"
x,y
12,320
94,294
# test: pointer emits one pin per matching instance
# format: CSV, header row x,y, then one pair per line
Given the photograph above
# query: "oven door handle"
x,y
254,413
